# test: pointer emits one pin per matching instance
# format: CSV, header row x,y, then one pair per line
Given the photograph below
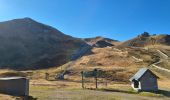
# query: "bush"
x,y
145,34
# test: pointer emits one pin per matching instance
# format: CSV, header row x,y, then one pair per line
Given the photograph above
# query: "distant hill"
x,y
145,39
101,42
27,44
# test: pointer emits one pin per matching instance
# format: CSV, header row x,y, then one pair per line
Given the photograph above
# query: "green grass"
x,y
131,90
151,94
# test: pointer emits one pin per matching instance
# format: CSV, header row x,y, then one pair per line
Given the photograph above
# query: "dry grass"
x,y
104,57
7,97
115,91
159,47
164,83
118,64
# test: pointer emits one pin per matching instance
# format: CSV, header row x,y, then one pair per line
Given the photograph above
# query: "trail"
x,y
164,57
137,59
161,68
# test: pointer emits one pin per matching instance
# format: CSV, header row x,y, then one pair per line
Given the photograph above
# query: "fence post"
x,y
106,83
82,77
96,74
46,76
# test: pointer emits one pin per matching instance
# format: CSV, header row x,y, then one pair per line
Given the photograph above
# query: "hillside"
x,y
146,39
118,64
28,44
115,67
101,42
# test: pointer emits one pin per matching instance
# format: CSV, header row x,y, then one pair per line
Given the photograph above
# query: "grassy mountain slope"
x,y
27,44
35,45
145,40
119,64
101,42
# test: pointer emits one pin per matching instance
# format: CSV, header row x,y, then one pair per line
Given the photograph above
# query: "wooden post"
x,y
96,82
46,76
82,75
96,74
106,83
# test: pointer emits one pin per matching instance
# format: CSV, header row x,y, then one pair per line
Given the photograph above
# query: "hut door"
x,y
136,84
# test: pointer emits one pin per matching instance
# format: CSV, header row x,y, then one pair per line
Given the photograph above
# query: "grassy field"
x,y
71,90
66,90
113,92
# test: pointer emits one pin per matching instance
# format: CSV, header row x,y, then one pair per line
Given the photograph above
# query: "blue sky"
x,y
116,19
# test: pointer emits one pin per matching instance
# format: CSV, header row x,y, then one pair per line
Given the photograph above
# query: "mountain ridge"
x,y
30,44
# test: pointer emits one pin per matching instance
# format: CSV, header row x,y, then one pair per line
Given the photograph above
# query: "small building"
x,y
144,80
14,86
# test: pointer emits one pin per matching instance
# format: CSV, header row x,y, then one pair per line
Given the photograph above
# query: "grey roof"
x,y
12,78
140,73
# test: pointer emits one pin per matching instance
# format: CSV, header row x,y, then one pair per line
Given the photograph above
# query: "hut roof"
x,y
140,73
12,78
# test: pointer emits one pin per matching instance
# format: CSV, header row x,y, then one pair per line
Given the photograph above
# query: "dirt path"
x,y
137,59
161,68
88,95
163,55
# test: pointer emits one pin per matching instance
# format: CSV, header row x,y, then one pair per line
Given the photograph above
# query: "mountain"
x,y
145,39
101,42
27,44
120,61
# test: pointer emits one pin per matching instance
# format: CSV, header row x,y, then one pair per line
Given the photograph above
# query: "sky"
x,y
116,19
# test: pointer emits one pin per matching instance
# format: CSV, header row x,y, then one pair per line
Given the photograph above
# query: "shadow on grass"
x,y
64,80
116,90
18,97
160,92
164,92
26,98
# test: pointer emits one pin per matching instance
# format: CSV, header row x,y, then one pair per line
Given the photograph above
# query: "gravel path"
x,y
89,95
